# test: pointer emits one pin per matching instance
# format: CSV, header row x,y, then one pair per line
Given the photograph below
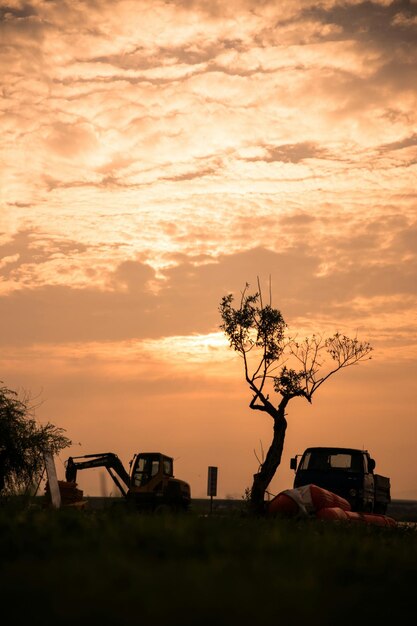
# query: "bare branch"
x,y
258,329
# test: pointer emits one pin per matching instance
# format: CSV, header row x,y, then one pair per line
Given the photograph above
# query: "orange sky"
x,y
158,155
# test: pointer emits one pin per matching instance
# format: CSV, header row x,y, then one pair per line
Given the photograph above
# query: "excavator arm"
x,y
109,460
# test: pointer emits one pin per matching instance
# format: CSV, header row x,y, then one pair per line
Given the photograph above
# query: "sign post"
x,y
212,485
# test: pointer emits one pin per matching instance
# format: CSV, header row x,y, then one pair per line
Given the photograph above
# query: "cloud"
x,y
28,250
305,283
407,142
170,139
297,219
292,153
133,276
384,23
186,302
72,140
385,32
210,81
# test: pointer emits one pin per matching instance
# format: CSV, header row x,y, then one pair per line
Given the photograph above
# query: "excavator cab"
x,y
149,468
152,483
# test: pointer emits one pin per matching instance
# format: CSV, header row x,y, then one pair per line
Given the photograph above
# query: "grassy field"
x,y
118,567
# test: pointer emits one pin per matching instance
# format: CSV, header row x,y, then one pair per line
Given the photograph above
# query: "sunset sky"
x,y
156,156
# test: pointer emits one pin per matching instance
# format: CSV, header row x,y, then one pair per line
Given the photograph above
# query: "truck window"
x,y
305,461
321,461
316,460
341,461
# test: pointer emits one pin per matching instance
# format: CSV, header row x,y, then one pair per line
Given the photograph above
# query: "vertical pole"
x,y
212,485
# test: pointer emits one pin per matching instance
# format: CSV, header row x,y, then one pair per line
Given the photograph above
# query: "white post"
x,y
52,479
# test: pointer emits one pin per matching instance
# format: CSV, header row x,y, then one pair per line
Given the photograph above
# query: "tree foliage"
x,y
23,442
274,361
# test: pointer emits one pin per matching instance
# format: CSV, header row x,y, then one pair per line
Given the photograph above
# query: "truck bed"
x,y
382,488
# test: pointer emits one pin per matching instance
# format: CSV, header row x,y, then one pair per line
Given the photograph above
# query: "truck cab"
x,y
348,472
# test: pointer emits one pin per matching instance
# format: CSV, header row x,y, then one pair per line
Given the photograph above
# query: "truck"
x,y
150,485
347,472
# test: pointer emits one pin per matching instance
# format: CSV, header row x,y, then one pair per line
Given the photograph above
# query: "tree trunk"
x,y
268,468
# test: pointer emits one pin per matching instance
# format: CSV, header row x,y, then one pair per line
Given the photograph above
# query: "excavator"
x,y
149,486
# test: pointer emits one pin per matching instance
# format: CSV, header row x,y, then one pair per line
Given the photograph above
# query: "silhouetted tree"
x,y
291,368
22,444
